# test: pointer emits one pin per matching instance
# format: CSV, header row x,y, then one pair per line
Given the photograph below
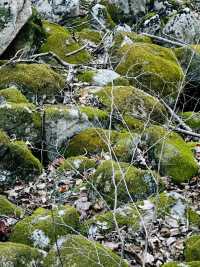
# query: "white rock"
x,y
105,76
15,15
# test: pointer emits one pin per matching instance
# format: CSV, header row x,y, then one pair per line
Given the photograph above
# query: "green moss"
x,y
182,264
86,76
19,255
34,80
121,81
96,140
17,161
152,68
192,252
52,224
8,208
60,41
94,113
4,140
192,119
170,154
133,102
90,35
79,251
140,183
193,217
13,95
21,120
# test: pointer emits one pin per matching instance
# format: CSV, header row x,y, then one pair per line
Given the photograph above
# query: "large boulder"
x,y
13,15
79,251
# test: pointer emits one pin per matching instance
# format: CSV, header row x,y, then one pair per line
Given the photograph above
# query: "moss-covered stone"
x,y
7,208
79,251
130,101
96,140
21,120
19,255
170,155
44,227
192,119
36,81
193,217
88,35
13,95
192,252
152,68
16,161
63,122
139,183
60,41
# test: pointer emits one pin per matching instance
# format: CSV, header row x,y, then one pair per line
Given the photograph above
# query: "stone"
x,y
13,15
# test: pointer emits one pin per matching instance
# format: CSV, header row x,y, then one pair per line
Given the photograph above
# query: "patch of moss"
x,y
77,250
90,35
17,161
94,113
8,208
44,227
192,252
21,120
193,217
182,264
97,140
170,154
192,119
140,183
152,68
86,76
13,95
60,41
19,255
134,102
36,81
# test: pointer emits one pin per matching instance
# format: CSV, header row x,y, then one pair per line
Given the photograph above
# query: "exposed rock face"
x,y
56,10
13,15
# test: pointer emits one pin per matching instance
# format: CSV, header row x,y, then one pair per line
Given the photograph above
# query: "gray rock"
x,y
13,15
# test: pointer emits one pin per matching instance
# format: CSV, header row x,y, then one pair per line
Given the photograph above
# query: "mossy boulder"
x,y
44,227
19,255
36,81
16,161
129,181
152,68
182,264
192,252
129,101
91,36
192,119
13,95
169,154
63,122
79,251
96,140
60,41
7,208
21,121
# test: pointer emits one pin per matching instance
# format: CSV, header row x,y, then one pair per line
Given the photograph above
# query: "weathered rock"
x,y
13,15
79,251
16,161
63,122
19,255
152,68
44,227
38,82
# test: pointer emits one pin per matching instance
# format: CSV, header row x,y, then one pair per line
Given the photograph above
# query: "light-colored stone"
x,y
13,15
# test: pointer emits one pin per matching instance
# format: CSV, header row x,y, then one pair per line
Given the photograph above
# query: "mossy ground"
x,y
19,255
79,251
60,41
192,252
52,224
182,264
152,68
34,80
13,95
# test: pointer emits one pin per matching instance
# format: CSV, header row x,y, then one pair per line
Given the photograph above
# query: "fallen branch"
x,y
164,40
76,51
182,131
176,117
